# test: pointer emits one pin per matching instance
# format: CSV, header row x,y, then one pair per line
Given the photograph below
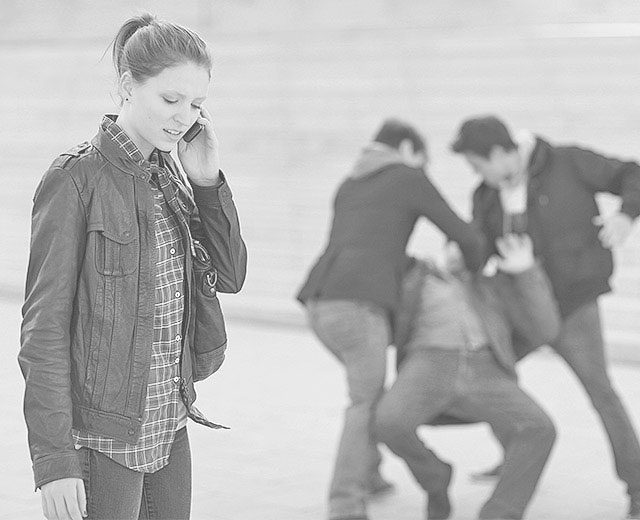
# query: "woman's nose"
x,y
184,115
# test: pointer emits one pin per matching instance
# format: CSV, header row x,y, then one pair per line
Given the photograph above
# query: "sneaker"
x,y
438,503
487,475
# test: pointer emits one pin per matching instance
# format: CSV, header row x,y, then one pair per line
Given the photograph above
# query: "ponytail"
x,y
145,46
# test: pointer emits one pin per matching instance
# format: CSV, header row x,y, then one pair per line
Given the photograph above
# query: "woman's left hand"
x,y
199,158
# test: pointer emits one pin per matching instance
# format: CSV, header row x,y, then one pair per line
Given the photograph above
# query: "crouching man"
x,y
456,335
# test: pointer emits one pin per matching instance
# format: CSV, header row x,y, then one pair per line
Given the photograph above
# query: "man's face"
x,y
496,170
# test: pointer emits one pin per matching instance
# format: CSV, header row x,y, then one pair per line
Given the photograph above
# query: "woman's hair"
x,y
145,46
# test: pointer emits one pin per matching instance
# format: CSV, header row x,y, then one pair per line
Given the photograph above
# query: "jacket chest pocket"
x,y
116,253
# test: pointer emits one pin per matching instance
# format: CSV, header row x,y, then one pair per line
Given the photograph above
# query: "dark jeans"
x,y
115,492
581,345
471,386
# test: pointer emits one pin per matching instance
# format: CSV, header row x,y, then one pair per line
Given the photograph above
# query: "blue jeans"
x,y
581,345
358,334
471,386
115,492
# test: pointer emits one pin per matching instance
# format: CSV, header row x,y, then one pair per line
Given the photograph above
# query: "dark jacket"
x,y
563,181
374,215
87,327
518,312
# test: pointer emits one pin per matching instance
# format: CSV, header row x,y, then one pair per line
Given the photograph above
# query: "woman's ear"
x,y
125,86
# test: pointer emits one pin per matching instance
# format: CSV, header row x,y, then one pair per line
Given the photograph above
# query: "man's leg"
x,y
581,345
526,430
358,335
377,486
425,385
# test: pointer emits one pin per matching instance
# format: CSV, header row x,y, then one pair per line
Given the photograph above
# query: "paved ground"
x,y
282,395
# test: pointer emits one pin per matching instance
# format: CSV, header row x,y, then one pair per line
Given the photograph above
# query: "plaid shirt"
x,y
165,412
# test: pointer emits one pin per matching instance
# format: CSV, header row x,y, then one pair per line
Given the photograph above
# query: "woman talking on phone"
x,y
117,321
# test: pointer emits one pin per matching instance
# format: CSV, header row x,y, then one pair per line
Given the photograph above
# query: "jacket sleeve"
x,y
480,221
57,244
530,307
215,223
602,173
409,302
428,202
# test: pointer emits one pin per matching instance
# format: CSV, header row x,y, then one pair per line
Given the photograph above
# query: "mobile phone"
x,y
193,132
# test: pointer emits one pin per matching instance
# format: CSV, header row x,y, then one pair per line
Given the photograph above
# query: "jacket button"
x,y
130,432
543,200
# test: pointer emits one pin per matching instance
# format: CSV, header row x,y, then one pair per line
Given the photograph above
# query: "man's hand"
x,y
615,229
453,259
516,253
64,499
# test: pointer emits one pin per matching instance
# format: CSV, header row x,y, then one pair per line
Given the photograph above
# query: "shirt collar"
x,y
124,142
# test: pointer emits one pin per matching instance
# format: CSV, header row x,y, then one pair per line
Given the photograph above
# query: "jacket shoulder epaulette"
x,y
67,159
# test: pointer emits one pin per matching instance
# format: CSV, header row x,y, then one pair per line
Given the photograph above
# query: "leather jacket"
x,y
87,327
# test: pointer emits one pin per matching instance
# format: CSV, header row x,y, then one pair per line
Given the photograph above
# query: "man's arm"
x,y
428,202
526,293
622,178
479,211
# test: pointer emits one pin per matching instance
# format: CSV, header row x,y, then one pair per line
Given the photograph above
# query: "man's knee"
x,y
390,427
541,430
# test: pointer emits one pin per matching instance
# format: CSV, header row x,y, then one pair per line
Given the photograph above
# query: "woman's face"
x,y
161,109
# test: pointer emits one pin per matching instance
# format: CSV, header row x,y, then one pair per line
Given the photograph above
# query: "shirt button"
x,y
176,379
172,250
176,360
178,294
178,337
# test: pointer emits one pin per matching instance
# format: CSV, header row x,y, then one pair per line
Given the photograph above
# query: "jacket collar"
x,y
538,161
373,158
539,157
115,155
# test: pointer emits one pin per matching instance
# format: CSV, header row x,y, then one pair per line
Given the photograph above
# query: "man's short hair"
x,y
480,134
394,131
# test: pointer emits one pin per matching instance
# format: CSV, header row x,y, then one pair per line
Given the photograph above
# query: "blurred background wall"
x,y
299,86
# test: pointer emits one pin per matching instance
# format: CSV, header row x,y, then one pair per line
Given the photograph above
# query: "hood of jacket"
x,y
373,158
